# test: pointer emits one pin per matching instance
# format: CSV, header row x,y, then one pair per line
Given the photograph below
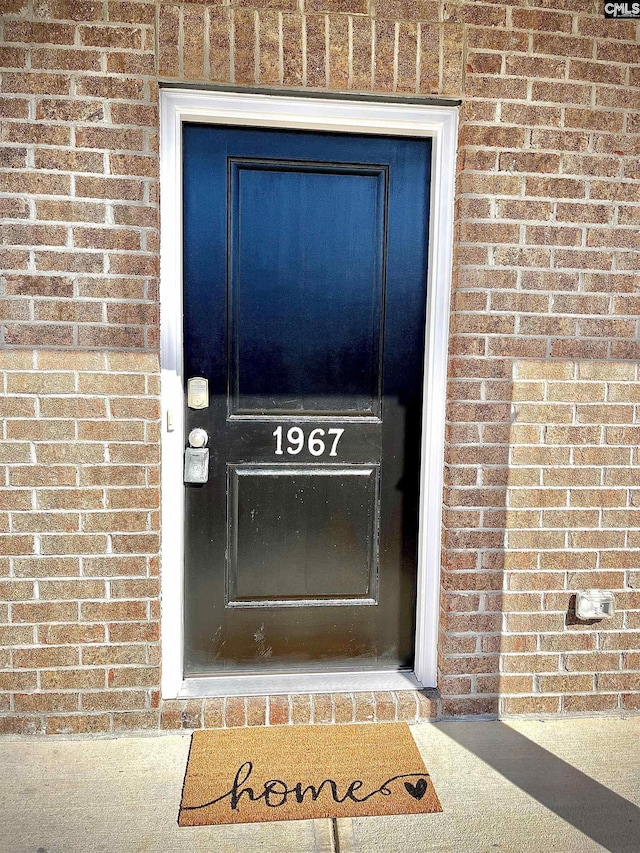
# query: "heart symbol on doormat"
x,y
418,790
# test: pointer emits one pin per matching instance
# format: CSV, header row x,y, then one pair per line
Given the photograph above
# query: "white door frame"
x,y
351,116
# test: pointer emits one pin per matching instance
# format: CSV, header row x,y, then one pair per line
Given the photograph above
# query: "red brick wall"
x,y
542,491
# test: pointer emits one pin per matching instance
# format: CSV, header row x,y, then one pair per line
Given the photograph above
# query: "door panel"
x,y
302,217
304,303
302,535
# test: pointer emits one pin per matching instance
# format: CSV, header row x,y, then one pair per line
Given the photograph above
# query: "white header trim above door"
x,y
345,116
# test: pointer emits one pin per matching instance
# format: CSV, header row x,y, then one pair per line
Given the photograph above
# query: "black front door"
x,y
304,310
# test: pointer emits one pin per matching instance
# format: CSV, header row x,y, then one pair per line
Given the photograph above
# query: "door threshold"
x,y
274,685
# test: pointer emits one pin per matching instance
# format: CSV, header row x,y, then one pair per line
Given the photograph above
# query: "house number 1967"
x,y
314,441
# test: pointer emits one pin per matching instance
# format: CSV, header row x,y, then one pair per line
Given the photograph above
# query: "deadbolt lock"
x,y
197,392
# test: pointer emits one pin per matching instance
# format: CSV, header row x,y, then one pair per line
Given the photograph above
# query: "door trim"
x,y
440,123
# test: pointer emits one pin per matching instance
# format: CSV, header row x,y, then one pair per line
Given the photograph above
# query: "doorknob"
x,y
198,437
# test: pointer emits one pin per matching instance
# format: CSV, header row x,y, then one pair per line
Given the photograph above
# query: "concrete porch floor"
x,y
555,786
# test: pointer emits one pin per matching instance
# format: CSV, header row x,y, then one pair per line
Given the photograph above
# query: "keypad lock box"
x,y
196,464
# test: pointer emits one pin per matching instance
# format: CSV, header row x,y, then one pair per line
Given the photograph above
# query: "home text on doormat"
x,y
303,772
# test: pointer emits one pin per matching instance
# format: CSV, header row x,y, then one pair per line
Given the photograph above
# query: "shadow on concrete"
x,y
581,801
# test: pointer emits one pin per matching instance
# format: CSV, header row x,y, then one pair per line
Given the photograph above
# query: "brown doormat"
x,y
303,772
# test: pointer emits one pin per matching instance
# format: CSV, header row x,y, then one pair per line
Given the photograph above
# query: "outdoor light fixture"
x,y
595,604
